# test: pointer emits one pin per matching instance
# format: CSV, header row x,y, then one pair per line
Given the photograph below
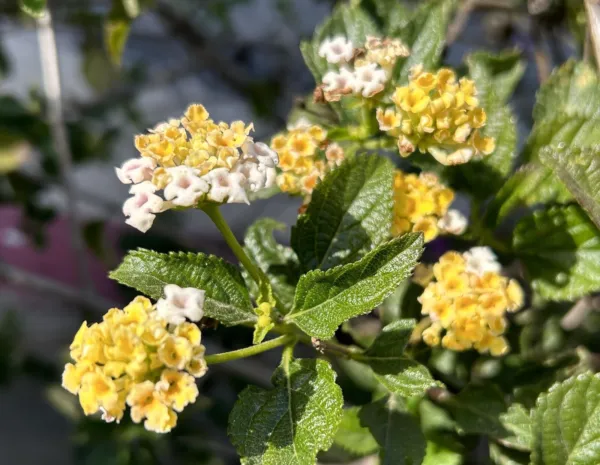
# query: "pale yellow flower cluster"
x,y
466,304
194,159
420,202
438,114
134,357
305,157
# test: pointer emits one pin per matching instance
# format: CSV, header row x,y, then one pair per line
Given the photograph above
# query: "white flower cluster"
x,y
480,260
181,303
453,222
361,71
216,164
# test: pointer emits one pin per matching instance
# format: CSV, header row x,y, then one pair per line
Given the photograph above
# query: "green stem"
x,y
214,214
249,351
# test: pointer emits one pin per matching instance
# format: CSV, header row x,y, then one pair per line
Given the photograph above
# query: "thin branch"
x,y
52,88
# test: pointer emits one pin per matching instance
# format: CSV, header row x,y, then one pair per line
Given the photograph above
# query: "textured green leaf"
x,y
532,184
279,263
495,77
498,73
477,410
566,423
325,299
396,431
33,8
397,372
517,422
579,170
350,212
560,248
290,423
504,456
226,298
353,437
426,36
436,454
393,16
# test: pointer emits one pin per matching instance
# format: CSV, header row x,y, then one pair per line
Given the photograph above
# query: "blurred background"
x,y
126,65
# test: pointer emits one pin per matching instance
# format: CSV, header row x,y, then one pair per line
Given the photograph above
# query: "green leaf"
x,y
291,422
350,212
517,421
495,77
504,456
397,372
426,36
566,430
352,437
396,431
325,299
226,298
477,410
532,184
392,15
116,31
498,73
579,170
560,248
278,262
35,8
437,454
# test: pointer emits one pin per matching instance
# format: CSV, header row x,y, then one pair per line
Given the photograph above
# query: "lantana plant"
x,y
408,175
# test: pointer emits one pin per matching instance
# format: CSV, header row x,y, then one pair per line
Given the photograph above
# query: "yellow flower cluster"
x,y
420,201
382,51
207,146
439,114
135,358
469,307
305,157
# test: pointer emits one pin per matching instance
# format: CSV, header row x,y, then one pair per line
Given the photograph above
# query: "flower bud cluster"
x,y
421,203
360,71
467,302
438,114
145,356
305,157
193,160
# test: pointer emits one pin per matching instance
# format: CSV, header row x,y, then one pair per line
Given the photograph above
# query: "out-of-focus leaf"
x,y
33,8
352,436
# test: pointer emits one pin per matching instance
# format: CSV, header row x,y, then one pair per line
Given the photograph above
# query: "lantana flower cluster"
x,y
437,114
360,70
467,302
192,160
421,203
305,157
145,356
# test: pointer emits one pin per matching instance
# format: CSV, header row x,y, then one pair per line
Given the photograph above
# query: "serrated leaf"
x,y
278,262
350,212
579,170
397,372
35,8
517,422
353,437
477,410
504,456
426,36
566,426
560,248
325,299
291,422
396,431
226,298
495,77
532,184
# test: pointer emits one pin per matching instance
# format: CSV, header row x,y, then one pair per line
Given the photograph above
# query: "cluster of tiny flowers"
x,y
305,157
436,113
194,159
421,204
145,356
361,71
468,301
